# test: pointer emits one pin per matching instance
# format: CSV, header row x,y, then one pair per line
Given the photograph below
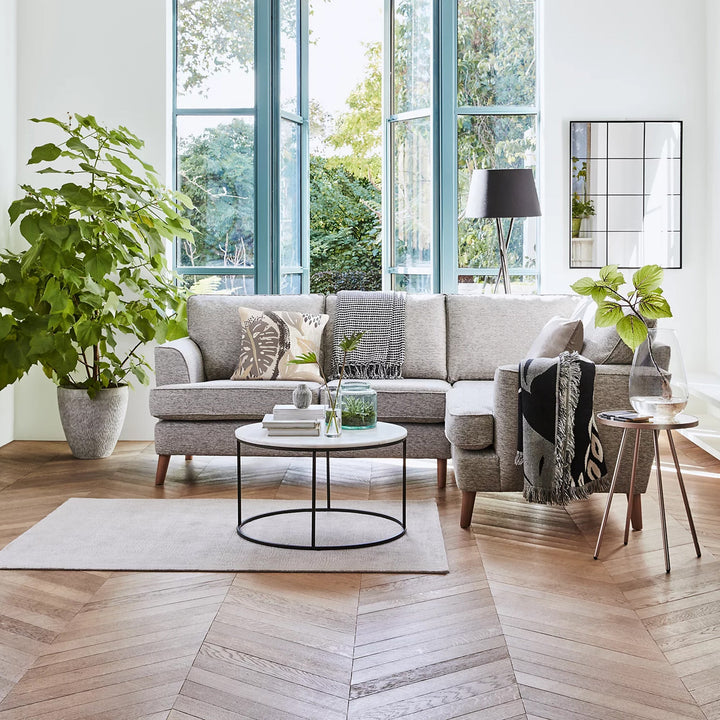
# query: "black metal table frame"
x,y
314,509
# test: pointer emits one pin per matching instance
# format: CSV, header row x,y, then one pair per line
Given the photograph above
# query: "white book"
x,y
269,421
309,432
290,412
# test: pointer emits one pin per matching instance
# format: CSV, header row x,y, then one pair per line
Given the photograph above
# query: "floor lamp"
x,y
502,194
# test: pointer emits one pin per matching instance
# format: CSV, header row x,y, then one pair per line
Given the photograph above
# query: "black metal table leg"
x,y
327,479
314,498
239,480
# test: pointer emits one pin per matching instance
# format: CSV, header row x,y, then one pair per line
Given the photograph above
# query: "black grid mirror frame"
x,y
625,180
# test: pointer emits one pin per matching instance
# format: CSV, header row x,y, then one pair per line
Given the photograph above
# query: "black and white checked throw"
x,y
381,315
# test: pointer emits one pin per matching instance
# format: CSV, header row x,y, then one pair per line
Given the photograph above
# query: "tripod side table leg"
x,y
684,494
661,498
610,494
631,497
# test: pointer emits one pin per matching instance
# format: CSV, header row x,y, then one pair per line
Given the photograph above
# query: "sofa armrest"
x,y
505,416
178,361
611,393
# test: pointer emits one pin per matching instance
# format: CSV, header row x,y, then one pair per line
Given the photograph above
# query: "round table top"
x,y
679,422
382,434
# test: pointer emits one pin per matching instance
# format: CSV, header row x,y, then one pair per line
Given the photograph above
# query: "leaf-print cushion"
x,y
270,339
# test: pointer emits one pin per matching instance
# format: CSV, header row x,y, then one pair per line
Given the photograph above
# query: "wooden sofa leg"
x,y
466,510
162,466
441,472
636,514
188,458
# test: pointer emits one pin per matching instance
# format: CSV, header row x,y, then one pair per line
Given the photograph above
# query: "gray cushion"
x,y
222,399
486,331
558,335
410,400
214,324
602,345
425,336
469,420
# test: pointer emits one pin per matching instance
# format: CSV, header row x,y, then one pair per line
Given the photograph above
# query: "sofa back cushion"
x,y
214,324
425,336
487,331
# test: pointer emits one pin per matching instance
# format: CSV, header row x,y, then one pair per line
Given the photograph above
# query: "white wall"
x,y
712,248
637,60
99,57
7,168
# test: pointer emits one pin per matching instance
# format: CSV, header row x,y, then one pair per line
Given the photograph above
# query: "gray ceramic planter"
x,y
92,426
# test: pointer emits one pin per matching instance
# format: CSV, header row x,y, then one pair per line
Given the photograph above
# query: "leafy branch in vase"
x,y
629,313
347,345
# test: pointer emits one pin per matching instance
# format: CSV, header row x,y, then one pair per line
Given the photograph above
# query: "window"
x,y
459,93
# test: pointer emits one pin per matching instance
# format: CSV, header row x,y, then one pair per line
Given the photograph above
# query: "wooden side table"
x,y
679,422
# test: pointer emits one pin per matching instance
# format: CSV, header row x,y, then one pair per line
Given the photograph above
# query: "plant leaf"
x,y
304,358
654,306
44,153
632,331
584,286
608,314
647,279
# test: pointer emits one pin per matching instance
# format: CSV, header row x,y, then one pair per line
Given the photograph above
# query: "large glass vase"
x,y
658,384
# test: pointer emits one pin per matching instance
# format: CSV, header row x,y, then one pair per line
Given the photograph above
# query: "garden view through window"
x,y
327,175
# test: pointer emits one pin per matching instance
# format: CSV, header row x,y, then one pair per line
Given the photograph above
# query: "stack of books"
x,y
289,420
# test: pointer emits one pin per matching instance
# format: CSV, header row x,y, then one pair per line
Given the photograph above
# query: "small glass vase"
x,y
658,384
332,425
359,405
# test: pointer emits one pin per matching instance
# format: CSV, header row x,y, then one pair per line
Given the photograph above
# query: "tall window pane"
x,y
215,142
496,52
289,49
215,53
412,203
215,169
412,55
496,128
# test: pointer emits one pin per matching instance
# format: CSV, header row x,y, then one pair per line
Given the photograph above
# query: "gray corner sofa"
x,y
457,396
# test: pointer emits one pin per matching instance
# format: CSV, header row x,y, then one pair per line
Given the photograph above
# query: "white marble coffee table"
x,y
379,436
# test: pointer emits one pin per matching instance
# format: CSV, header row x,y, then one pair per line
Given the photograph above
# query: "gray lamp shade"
x,y
502,194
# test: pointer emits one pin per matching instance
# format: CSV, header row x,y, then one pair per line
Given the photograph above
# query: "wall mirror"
x,y
625,193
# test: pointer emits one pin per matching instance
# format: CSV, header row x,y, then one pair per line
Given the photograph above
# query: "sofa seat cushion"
x,y
222,399
410,400
469,422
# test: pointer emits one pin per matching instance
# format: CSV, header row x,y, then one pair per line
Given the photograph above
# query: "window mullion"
x,y
265,131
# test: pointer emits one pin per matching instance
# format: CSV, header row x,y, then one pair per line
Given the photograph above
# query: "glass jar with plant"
x,y
359,405
333,412
582,207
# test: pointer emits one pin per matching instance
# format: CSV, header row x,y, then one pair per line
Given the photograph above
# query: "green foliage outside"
x,y
94,277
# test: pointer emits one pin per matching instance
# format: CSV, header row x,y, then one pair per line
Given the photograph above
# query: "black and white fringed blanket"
x,y
382,316
558,442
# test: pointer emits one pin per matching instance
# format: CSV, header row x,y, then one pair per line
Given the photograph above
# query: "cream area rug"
x,y
200,535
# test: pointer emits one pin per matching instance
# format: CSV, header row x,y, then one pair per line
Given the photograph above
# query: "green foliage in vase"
x,y
357,412
94,279
628,312
347,345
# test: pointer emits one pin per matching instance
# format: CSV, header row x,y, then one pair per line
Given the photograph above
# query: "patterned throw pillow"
x,y
271,339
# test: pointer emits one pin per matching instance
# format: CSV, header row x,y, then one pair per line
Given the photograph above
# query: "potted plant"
x,y
93,285
581,207
657,379
333,417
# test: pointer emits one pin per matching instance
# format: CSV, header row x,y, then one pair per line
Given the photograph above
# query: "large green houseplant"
x,y
93,284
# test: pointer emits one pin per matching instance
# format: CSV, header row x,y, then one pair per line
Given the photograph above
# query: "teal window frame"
x,y
444,114
268,116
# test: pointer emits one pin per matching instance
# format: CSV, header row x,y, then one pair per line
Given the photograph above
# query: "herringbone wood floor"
x,y
526,624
